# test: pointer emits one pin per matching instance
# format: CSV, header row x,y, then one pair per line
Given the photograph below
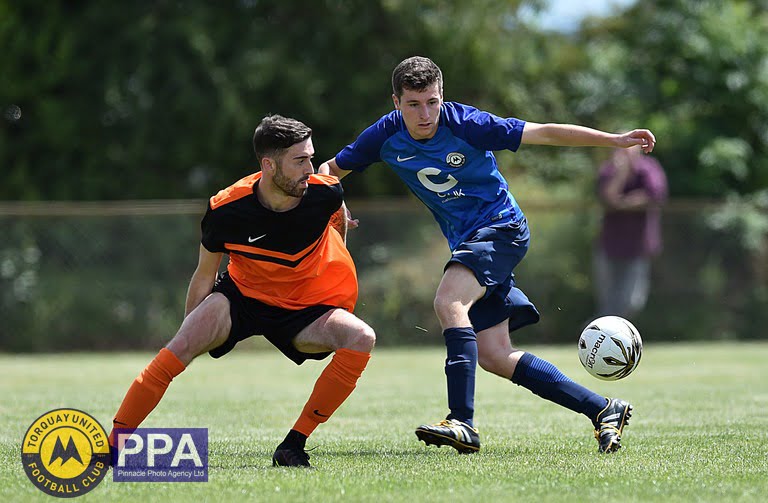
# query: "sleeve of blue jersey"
x,y
483,130
366,149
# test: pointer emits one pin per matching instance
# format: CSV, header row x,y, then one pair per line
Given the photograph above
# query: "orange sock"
x,y
333,386
146,391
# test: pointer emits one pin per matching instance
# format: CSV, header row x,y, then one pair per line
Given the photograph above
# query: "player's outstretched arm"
x,y
202,280
331,168
571,135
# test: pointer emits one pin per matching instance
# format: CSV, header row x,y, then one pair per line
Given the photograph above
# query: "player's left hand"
x,y
352,223
642,137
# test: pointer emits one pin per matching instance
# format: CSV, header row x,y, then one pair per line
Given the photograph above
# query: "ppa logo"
x,y
161,455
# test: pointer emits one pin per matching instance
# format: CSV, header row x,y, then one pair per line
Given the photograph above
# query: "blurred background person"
x,y
632,187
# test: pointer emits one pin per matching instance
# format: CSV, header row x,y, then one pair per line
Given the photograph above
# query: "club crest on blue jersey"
x,y
455,159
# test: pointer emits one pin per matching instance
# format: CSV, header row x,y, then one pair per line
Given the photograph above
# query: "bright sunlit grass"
x,y
698,433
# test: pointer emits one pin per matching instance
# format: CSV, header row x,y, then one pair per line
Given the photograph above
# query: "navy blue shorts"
x,y
279,326
492,253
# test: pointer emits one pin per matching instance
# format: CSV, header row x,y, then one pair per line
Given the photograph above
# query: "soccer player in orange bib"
x,y
290,278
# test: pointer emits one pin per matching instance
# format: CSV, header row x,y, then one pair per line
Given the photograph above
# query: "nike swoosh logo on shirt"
x,y
253,240
404,158
454,362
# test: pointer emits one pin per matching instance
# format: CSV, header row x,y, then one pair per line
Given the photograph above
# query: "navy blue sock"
x,y
544,379
460,366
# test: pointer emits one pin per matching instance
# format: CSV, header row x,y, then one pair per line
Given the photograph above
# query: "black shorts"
x,y
279,326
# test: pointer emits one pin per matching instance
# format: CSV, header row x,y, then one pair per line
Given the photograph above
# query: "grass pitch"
x,y
698,432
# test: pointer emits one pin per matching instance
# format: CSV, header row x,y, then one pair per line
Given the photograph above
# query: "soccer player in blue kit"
x,y
443,151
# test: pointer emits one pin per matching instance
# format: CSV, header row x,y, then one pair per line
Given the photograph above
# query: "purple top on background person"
x,y
632,187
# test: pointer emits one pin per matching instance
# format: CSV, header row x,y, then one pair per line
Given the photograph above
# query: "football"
x,y
610,348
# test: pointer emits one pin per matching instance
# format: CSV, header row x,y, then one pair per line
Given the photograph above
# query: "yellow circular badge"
x,y
65,453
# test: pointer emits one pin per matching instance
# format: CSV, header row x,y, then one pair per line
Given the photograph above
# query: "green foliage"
x,y
115,103
104,103
70,283
96,282
158,99
696,72
747,217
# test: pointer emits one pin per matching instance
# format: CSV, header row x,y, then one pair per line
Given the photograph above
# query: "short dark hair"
x,y
276,133
416,74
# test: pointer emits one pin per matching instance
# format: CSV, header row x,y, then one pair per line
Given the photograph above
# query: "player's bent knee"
x,y
441,304
449,309
205,328
362,338
366,339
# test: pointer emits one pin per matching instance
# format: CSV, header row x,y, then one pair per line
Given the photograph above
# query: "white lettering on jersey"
x,y
452,194
423,175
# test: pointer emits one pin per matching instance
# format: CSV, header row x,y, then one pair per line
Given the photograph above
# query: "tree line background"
x,y
157,100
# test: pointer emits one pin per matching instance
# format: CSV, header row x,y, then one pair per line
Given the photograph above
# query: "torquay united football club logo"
x,y
455,159
65,453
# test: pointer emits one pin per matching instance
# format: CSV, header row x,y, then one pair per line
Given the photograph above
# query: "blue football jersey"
x,y
454,173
